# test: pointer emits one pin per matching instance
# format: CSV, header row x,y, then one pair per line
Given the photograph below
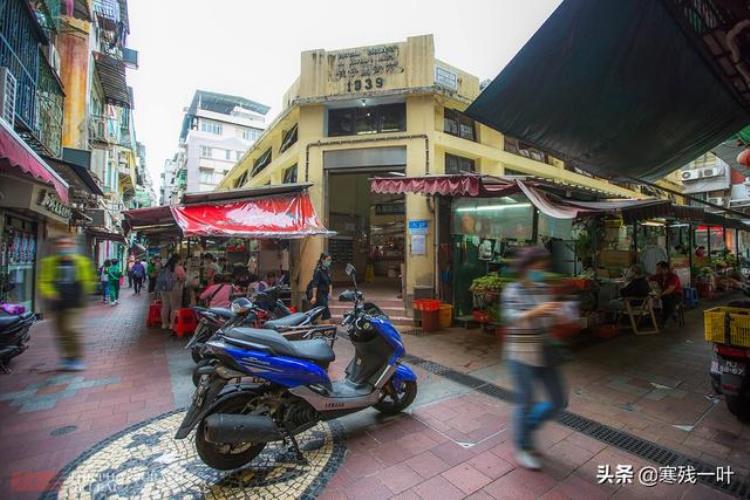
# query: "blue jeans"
x,y
105,291
528,415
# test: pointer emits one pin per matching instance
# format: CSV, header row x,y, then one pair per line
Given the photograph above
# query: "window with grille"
x,y
290,137
241,180
206,152
458,124
262,162
367,120
458,164
290,175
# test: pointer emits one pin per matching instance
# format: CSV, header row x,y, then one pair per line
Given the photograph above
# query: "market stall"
x,y
251,229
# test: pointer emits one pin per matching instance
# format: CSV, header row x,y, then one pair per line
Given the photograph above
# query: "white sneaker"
x,y
526,460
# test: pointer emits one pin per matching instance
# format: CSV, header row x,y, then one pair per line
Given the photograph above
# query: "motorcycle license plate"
x,y
728,366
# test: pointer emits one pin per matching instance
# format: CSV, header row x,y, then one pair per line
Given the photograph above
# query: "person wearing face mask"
x,y
322,285
66,278
529,312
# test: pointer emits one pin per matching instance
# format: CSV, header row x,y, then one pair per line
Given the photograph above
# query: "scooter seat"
x,y
221,311
316,350
293,319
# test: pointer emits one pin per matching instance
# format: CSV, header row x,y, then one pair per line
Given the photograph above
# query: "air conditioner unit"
x,y
690,174
7,95
717,201
711,172
739,203
53,57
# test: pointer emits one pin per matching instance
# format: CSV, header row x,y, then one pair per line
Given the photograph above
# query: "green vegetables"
x,y
489,283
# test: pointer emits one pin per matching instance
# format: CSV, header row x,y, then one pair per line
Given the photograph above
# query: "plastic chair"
x,y
154,314
690,297
184,322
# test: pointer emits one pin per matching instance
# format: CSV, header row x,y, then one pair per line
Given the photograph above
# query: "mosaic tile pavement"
x,y
144,461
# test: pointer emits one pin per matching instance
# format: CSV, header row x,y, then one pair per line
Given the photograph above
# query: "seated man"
x,y
635,286
670,290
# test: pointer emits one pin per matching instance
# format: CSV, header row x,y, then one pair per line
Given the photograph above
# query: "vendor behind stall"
x,y
670,290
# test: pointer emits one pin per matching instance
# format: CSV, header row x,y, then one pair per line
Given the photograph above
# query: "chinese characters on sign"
x,y
651,476
367,68
50,201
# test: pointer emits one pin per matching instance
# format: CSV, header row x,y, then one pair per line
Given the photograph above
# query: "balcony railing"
x,y
39,95
108,129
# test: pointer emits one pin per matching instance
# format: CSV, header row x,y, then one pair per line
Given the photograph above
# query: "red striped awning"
x,y
16,155
446,185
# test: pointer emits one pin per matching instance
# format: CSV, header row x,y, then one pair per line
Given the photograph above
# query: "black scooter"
x,y
14,335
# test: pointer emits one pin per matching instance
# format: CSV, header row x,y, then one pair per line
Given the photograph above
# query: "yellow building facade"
x,y
391,109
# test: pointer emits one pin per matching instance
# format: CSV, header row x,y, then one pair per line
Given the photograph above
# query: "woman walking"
x,y
114,274
322,285
170,284
104,280
530,312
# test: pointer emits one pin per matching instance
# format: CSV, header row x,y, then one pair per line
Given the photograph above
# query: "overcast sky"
x,y
251,48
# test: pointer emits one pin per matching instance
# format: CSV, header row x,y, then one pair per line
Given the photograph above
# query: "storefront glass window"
x,y
509,218
18,250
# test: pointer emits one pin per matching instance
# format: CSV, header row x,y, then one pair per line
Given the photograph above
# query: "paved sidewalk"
x,y
454,442
50,417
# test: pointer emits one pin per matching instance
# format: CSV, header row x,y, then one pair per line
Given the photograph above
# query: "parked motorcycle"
x,y
244,312
729,373
15,323
291,391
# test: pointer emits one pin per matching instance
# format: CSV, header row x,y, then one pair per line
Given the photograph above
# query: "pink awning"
x,y
281,216
16,155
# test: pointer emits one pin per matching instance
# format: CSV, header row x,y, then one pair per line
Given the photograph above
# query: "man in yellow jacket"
x,y
65,281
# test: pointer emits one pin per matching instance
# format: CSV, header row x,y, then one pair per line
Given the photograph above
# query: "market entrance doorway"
x,y
369,232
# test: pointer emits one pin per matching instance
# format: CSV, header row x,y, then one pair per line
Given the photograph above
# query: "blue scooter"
x,y
266,388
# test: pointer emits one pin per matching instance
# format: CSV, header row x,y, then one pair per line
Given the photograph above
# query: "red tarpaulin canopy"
x,y
282,216
16,155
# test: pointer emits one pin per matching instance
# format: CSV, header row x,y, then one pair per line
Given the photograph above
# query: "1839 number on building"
x,y
361,84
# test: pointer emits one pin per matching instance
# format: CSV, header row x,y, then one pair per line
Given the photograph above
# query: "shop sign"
x,y
52,203
366,69
418,226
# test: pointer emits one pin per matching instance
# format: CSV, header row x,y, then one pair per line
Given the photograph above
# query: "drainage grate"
x,y
634,445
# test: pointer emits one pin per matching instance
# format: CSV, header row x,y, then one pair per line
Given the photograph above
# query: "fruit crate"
x,y
717,320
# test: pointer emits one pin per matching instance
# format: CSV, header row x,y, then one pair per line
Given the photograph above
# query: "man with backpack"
x,y
139,274
66,278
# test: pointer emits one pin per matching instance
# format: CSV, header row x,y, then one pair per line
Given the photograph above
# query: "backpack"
x,y
165,281
138,271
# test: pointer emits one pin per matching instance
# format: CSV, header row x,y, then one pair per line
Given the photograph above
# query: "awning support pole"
x,y
690,251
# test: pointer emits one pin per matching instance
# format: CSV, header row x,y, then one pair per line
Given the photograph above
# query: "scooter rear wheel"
x,y
223,456
397,400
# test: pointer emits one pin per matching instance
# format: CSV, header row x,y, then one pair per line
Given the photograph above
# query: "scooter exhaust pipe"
x,y
234,429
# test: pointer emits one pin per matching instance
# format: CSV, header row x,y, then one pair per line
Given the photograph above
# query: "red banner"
x,y
284,216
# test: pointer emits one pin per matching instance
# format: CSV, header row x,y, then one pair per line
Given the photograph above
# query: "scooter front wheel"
x,y
397,399
739,406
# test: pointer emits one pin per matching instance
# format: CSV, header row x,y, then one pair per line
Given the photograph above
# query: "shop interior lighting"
x,y
492,208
